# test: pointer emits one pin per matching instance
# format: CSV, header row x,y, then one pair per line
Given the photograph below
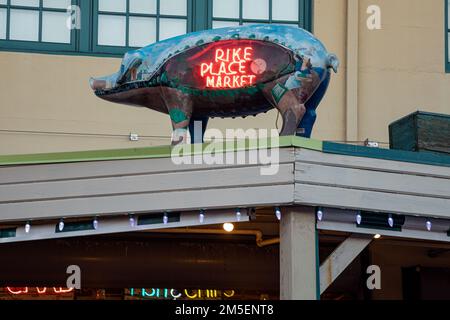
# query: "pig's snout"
x,y
97,84
103,83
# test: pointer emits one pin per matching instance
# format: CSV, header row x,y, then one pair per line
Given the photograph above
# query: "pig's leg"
x,y
289,95
288,104
179,108
197,129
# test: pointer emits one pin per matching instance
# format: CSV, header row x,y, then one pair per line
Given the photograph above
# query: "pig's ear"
x,y
132,64
333,62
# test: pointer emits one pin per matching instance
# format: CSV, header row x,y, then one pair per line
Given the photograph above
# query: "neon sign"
x,y
174,294
39,290
231,68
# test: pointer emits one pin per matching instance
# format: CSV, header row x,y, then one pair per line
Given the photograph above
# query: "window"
x,y
128,24
226,13
447,36
40,23
112,27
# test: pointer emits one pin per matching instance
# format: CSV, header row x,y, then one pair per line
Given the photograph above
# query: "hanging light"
x,y
377,236
428,224
95,223
228,227
132,221
201,216
358,218
238,214
165,218
391,221
27,227
61,225
278,213
319,214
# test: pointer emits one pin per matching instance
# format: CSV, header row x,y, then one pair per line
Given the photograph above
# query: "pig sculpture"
x,y
227,72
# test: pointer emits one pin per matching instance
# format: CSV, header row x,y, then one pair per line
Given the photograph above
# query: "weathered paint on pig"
x,y
228,72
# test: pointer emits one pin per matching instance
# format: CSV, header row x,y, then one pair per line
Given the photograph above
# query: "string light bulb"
x,y
238,215
201,216
95,223
132,221
165,218
428,224
278,213
358,218
61,225
27,227
377,236
391,221
319,214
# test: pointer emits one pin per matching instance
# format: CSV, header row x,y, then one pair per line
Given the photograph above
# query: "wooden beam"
x,y
340,259
298,252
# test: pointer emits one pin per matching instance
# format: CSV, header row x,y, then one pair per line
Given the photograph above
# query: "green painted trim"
x,y
79,156
240,145
154,152
200,14
8,232
387,154
306,143
446,33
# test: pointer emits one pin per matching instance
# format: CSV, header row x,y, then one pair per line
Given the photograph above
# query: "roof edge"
x,y
158,151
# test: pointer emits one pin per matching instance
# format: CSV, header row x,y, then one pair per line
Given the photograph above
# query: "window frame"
x,y
84,40
122,49
304,15
446,35
36,45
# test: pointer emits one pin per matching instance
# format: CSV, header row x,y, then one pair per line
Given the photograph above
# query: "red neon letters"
x,y
229,69
43,290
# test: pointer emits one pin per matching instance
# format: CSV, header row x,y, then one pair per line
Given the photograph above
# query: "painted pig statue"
x,y
228,72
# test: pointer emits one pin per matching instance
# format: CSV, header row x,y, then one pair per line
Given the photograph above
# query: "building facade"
x,y
47,106
384,73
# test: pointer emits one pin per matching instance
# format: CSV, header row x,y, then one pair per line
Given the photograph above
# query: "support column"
x,y
298,254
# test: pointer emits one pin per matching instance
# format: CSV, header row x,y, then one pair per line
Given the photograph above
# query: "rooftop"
x,y
284,142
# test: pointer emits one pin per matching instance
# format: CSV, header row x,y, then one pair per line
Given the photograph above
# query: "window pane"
x,y
250,23
255,9
2,1
285,10
288,24
24,25
54,28
169,28
448,35
226,8
143,6
173,7
61,4
142,31
28,3
112,5
2,23
111,30
448,13
223,24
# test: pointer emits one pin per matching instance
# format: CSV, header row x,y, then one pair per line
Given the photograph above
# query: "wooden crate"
x,y
421,131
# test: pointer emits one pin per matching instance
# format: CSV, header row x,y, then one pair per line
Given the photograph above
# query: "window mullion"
x,y
241,6
127,24
270,11
8,23
41,7
158,6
